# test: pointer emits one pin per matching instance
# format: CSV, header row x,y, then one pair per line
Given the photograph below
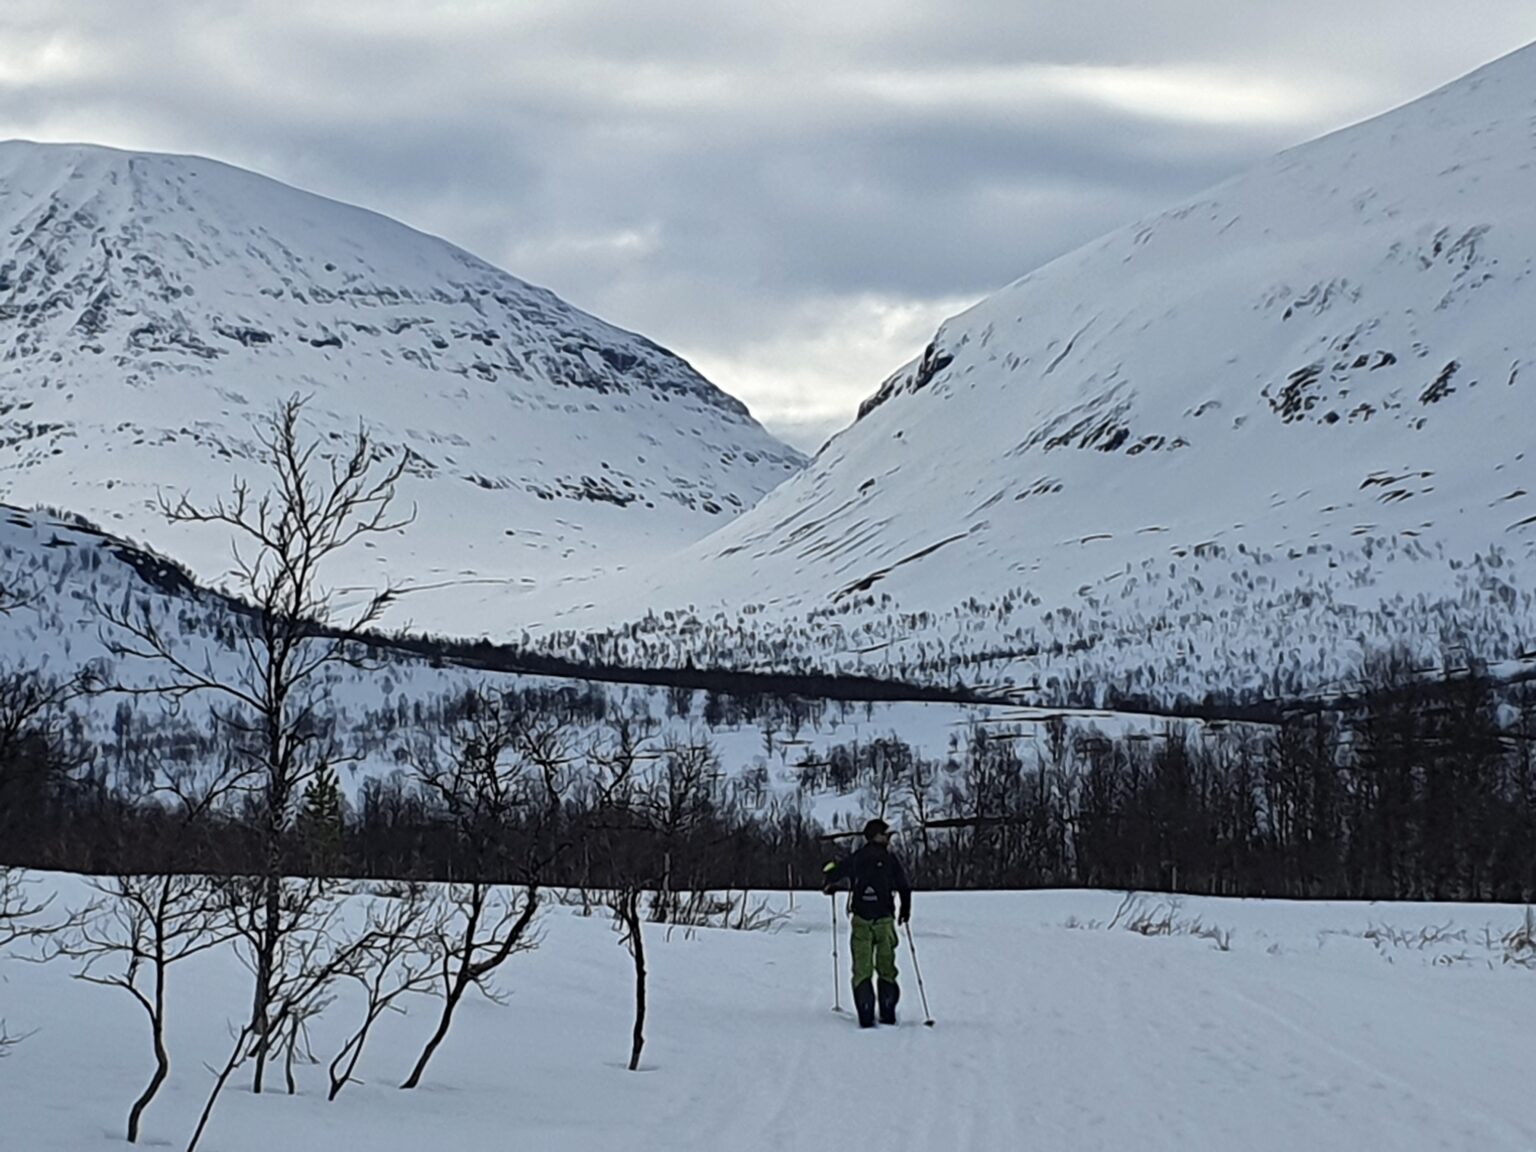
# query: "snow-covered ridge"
x,y
151,306
69,577
1303,396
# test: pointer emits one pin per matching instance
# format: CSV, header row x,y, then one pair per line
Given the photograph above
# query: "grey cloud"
x,y
701,174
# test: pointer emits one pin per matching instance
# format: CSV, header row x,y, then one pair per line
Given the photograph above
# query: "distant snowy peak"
x,y
1406,215
1309,389
141,255
150,305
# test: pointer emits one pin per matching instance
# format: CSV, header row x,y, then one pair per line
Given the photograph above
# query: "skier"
x,y
875,877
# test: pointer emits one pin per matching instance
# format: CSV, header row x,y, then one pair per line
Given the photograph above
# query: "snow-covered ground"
x,y
1312,1031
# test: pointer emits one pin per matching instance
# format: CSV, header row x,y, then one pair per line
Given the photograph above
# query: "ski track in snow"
x,y
1048,1037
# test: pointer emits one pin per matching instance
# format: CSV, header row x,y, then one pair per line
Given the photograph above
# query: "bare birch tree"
x,y
23,701
626,910
391,953
499,776
271,692
402,955
675,798
20,919
130,937
649,804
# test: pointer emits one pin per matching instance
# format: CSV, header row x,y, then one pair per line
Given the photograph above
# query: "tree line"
x,y
1423,787
1419,788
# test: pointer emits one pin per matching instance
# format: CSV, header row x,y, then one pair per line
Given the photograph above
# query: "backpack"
x,y
871,884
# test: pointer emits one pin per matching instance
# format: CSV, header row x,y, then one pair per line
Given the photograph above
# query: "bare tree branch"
x,y
237,1056
19,911
20,919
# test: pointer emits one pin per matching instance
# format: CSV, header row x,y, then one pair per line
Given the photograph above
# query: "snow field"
x,y
1054,1032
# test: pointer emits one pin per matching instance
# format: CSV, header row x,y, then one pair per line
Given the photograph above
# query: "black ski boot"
x,y
889,994
864,1001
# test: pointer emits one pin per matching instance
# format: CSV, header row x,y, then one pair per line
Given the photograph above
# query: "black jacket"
x,y
875,878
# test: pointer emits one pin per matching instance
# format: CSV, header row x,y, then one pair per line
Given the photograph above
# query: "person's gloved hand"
x,y
827,870
906,915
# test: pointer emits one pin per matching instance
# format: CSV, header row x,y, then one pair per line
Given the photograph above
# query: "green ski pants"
x,y
874,949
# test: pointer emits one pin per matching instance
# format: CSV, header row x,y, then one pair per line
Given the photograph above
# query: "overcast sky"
x,y
790,193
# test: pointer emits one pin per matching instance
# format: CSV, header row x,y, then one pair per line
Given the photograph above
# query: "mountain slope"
x,y
151,306
1302,396
64,582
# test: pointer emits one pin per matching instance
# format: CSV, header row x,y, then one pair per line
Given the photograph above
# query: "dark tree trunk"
x,y
632,923
266,955
162,1057
450,1002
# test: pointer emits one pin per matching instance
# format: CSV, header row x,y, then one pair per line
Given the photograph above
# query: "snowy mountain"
x,y
151,306
1221,447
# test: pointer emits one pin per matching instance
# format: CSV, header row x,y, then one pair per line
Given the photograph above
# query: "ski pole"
x,y
837,968
921,991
